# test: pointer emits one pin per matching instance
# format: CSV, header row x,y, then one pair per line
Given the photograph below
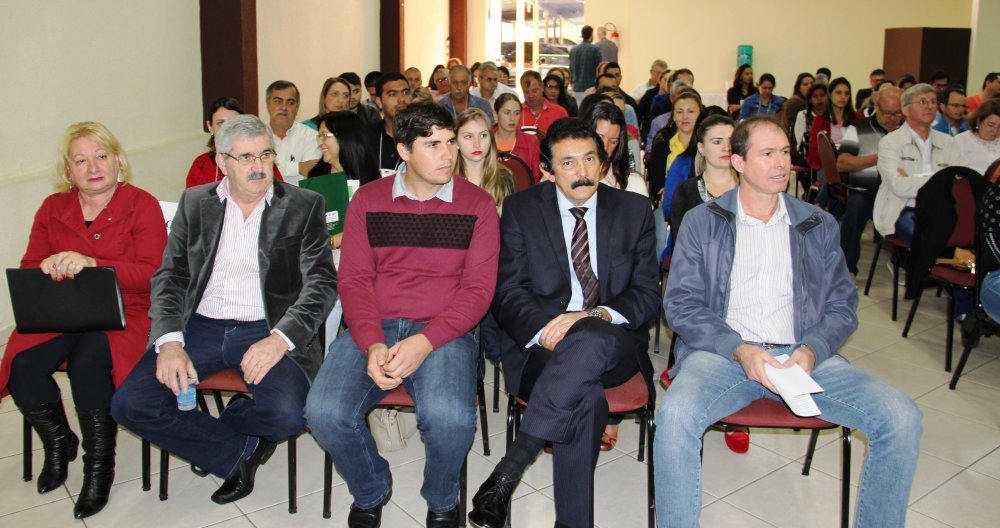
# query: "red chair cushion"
x,y
772,413
224,380
627,397
953,276
398,397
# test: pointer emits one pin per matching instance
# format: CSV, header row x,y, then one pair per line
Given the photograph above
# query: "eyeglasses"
x,y
889,115
551,86
247,158
327,134
924,102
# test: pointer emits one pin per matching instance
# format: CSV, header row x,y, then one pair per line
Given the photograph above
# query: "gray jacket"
x,y
697,296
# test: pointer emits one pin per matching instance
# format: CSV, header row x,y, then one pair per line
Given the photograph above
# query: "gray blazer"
x,y
297,276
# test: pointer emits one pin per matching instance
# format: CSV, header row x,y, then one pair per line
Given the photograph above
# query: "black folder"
x,y
92,300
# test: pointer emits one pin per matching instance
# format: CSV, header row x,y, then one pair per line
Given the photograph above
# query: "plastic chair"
x,y
898,249
630,397
523,177
963,235
828,161
773,414
986,262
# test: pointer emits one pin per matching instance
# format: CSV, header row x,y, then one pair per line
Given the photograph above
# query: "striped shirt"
x,y
233,291
760,285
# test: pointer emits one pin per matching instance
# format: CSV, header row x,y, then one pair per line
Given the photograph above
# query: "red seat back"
x,y
964,234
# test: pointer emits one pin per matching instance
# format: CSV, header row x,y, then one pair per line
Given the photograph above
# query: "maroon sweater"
x,y
432,262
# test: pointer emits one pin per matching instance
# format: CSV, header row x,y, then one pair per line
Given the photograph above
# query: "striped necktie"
x,y
580,250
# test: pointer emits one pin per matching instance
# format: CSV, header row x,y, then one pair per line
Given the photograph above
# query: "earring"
x,y
120,177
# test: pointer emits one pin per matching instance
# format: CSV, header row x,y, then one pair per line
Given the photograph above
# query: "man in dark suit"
x,y
577,286
245,283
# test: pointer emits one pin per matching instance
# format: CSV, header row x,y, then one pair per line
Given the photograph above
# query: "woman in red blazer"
x,y
96,219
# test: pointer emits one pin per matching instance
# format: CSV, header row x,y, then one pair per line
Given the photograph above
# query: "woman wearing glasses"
x,y
981,143
95,219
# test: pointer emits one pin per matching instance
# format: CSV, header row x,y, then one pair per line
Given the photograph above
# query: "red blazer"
x,y
129,235
204,170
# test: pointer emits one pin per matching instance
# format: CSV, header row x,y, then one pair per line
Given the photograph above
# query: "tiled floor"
x,y
957,482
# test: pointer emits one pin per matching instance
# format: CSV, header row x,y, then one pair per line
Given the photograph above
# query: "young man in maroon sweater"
x,y
419,266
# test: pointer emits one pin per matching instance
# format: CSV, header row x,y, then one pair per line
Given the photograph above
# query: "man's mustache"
x,y
257,175
582,182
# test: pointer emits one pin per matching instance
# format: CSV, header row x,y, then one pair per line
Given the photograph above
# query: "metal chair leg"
x,y
164,472
845,480
949,333
966,351
327,485
871,271
913,312
293,505
146,448
813,437
496,387
481,393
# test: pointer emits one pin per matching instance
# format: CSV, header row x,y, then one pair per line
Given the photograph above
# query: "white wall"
x,y
425,30
307,41
985,43
133,66
788,37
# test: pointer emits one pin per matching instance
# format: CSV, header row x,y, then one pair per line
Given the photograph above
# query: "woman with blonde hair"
x,y
477,160
334,97
95,219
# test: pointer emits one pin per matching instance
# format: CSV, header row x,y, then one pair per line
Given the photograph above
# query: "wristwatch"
x,y
599,312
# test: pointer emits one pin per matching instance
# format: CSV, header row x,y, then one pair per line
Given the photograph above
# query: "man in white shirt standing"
x,y
757,274
294,143
246,281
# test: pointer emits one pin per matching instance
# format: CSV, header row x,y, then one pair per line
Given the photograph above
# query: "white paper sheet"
x,y
794,386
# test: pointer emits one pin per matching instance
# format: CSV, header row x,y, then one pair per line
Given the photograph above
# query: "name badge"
x,y
332,216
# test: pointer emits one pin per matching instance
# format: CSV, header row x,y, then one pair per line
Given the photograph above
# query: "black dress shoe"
x,y
368,517
445,519
492,502
241,483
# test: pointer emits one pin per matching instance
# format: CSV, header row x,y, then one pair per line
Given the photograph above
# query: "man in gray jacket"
x,y
756,274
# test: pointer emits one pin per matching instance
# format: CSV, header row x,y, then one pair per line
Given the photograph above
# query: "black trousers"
x,y
567,406
88,364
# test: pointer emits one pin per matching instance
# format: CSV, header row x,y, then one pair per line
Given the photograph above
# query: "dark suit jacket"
x,y
298,279
533,281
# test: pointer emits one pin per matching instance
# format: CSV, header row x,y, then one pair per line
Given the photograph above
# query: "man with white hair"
x,y
655,70
490,86
459,99
609,50
246,282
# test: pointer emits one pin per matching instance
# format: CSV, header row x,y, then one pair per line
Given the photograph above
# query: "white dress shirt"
x,y
760,285
298,145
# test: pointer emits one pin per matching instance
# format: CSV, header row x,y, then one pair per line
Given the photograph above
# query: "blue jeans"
x,y
148,408
444,390
857,213
989,295
709,387
905,225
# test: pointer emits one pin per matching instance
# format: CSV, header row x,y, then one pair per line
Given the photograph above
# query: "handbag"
x,y
390,428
